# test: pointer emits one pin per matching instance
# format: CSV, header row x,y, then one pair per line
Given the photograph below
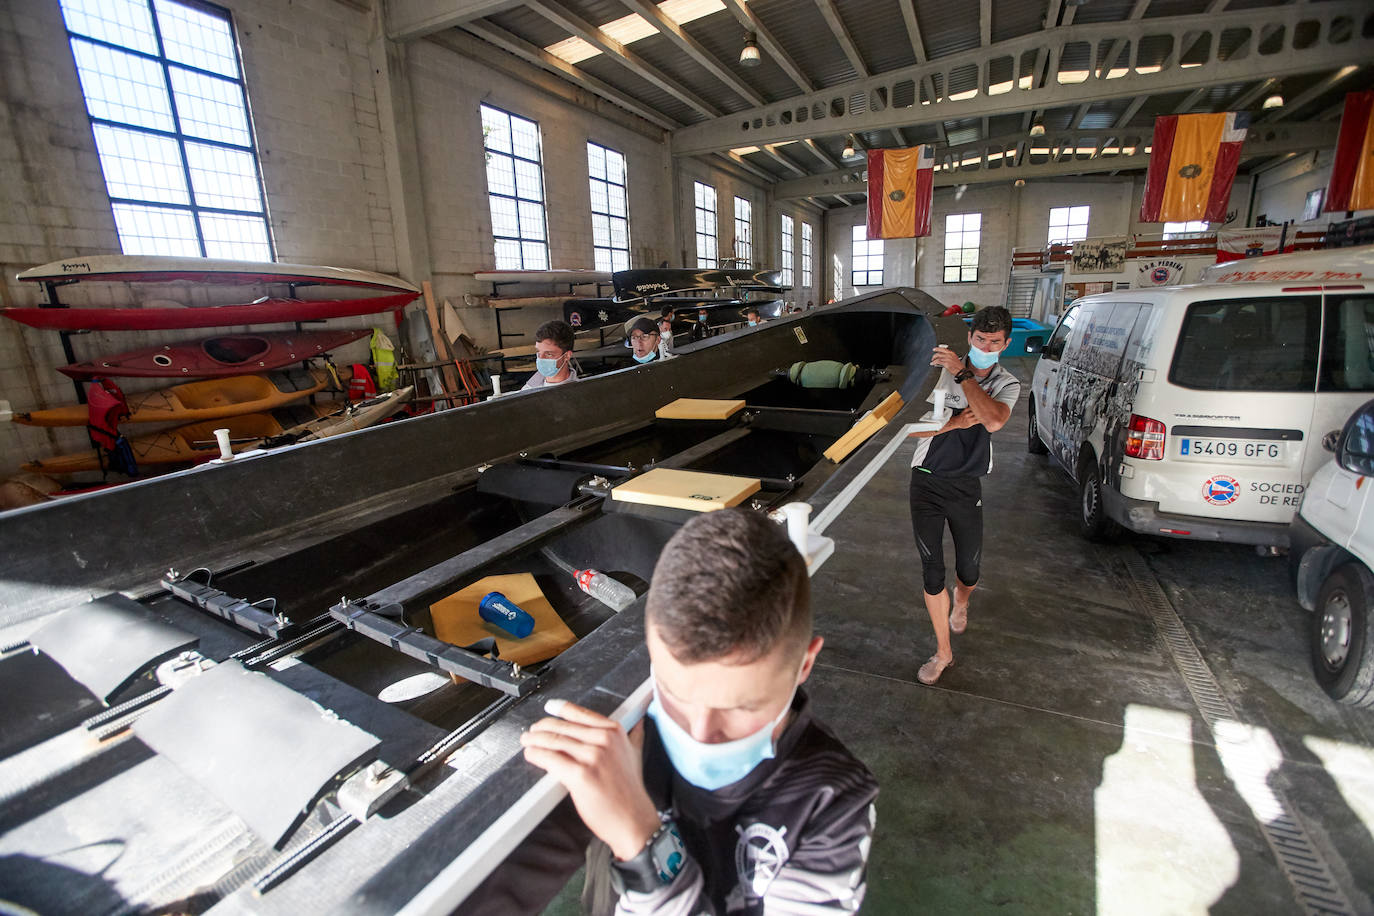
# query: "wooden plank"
x,y
456,619
699,409
858,434
889,406
691,490
442,349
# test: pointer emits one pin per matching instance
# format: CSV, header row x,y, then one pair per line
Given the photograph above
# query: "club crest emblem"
x,y
1221,490
760,854
897,196
1192,170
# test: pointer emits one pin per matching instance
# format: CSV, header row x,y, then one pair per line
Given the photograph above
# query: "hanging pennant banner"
x,y
900,185
1193,160
1352,171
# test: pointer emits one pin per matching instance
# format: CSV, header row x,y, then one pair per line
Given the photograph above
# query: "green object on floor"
x,y
823,373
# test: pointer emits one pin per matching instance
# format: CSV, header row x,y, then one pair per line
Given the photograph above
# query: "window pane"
x,y
951,275
122,87
617,200
525,138
223,178
536,255
600,200
601,258
507,254
620,260
620,233
1348,354
210,108
500,175
596,161
120,22
192,36
503,219
1079,215
495,130
527,180
156,230
615,167
531,221
1248,345
142,166
238,238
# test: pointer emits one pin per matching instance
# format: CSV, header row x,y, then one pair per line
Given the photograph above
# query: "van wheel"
x,y
1093,523
1341,656
1033,443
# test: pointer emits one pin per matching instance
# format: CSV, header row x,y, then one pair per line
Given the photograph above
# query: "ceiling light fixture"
x,y
1020,182
1037,129
749,54
1274,101
848,152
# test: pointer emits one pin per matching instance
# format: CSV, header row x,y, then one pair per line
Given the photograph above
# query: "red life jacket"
x,y
106,406
361,386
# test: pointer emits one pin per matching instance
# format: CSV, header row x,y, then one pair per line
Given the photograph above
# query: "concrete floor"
x,y
1062,764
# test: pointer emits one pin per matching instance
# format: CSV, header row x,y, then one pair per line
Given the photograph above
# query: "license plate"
x,y
1244,449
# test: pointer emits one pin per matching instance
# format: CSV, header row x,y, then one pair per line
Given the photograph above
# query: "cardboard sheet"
x,y
456,620
691,490
699,409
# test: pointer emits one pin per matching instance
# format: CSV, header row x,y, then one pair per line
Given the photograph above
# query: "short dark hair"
x,y
557,331
750,311
730,583
990,320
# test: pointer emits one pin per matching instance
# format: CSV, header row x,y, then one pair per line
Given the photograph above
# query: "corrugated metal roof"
x,y
803,32
529,25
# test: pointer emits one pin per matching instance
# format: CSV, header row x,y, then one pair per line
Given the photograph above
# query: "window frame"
x,y
861,246
703,231
1185,228
787,228
744,232
1068,224
520,239
808,240
961,235
611,249
178,134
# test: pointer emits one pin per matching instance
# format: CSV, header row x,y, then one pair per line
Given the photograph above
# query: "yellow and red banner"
x,y
1193,161
901,183
1352,171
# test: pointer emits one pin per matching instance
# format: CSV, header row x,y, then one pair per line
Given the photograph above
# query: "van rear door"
x,y
1242,388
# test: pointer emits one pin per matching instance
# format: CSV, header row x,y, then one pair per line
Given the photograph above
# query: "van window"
x,y
1099,341
1249,345
1348,344
1055,348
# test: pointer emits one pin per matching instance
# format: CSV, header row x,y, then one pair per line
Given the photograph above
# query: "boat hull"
x,y
214,357
192,442
270,311
121,268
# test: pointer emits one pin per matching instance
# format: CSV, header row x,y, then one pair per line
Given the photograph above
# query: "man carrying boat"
x,y
947,470
553,360
730,797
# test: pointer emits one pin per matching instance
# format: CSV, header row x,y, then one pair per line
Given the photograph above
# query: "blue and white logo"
x,y
1221,490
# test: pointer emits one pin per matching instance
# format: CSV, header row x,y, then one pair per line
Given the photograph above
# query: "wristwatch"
x,y
656,865
963,375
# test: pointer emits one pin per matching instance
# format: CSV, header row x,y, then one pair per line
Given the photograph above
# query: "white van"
x,y
1332,555
1190,411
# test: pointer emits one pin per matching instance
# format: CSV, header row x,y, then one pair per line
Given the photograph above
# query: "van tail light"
x,y
1145,438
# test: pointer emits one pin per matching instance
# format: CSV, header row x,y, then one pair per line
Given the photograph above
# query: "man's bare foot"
x,y
930,672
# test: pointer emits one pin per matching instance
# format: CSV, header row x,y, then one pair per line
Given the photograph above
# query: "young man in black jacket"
x,y
730,798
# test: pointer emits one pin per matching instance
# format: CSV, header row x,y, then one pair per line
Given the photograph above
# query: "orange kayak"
x,y
194,401
193,442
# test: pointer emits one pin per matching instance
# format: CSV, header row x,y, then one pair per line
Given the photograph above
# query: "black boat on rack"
x,y
211,677
722,293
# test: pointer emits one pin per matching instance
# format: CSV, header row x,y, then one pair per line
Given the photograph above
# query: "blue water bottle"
x,y
500,611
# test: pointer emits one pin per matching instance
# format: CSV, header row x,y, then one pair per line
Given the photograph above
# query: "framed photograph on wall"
x,y
1312,206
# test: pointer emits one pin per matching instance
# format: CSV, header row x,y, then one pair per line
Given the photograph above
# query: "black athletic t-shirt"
x,y
965,452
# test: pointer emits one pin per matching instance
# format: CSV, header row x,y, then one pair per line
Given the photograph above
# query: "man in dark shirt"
x,y
947,471
730,797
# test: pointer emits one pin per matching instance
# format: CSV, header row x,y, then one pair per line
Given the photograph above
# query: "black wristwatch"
x,y
657,864
963,375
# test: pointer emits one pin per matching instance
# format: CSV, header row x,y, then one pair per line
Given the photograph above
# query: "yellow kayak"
x,y
193,442
193,401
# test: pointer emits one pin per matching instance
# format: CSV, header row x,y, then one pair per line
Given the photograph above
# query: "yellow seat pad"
x,y
456,619
699,409
695,491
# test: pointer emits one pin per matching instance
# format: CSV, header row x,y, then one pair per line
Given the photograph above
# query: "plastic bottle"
x,y
614,594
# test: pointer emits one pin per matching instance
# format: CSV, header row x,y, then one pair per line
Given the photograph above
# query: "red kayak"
x,y
264,311
229,354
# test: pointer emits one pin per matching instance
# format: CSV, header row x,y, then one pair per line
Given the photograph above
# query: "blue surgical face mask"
x,y
711,766
982,359
701,318
546,367
752,323
646,357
